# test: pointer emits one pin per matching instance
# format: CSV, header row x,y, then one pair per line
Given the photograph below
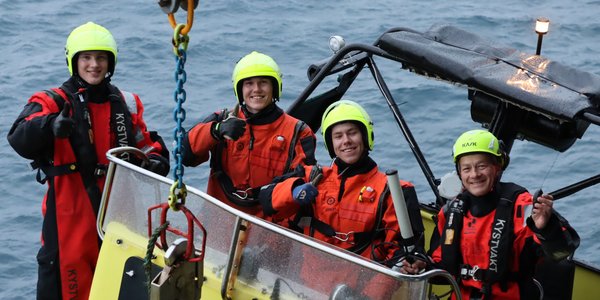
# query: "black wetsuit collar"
x,y
363,165
481,206
266,116
93,93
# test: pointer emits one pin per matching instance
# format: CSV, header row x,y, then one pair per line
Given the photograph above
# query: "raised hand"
x,y
63,125
231,128
542,210
304,194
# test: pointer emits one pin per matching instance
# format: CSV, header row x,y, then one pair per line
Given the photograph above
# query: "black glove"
x,y
157,164
63,125
231,128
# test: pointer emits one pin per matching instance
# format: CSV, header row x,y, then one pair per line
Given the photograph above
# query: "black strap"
x,y
85,153
297,128
52,171
500,245
450,239
120,120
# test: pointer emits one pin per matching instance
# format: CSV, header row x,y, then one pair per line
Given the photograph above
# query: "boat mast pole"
x,y
405,130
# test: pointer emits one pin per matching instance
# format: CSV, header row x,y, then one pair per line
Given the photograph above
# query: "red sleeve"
x,y
31,133
47,104
522,232
282,199
201,142
142,136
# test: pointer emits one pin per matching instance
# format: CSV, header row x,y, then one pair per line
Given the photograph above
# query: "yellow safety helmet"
x,y
479,141
344,111
252,65
88,37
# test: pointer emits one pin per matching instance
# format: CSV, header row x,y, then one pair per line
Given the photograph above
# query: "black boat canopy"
x,y
528,81
516,95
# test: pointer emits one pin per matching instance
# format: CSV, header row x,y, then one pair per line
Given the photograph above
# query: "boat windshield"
x,y
274,259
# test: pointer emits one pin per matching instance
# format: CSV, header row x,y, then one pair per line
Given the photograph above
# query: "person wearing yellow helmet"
x,y
493,233
256,66
346,111
96,39
479,143
348,204
67,131
252,143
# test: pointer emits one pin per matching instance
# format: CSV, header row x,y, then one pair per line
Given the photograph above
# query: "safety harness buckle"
x,y
242,194
468,272
100,170
344,236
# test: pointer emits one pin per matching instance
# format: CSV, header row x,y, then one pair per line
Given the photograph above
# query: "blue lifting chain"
x,y
180,42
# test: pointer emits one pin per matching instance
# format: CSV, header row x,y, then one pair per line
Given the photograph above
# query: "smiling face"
x,y
347,142
478,173
92,66
257,93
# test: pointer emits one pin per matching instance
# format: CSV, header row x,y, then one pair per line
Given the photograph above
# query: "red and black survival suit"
x,y
273,144
74,169
492,245
353,210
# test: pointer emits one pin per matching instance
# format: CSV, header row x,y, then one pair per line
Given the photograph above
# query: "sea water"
x,y
295,33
